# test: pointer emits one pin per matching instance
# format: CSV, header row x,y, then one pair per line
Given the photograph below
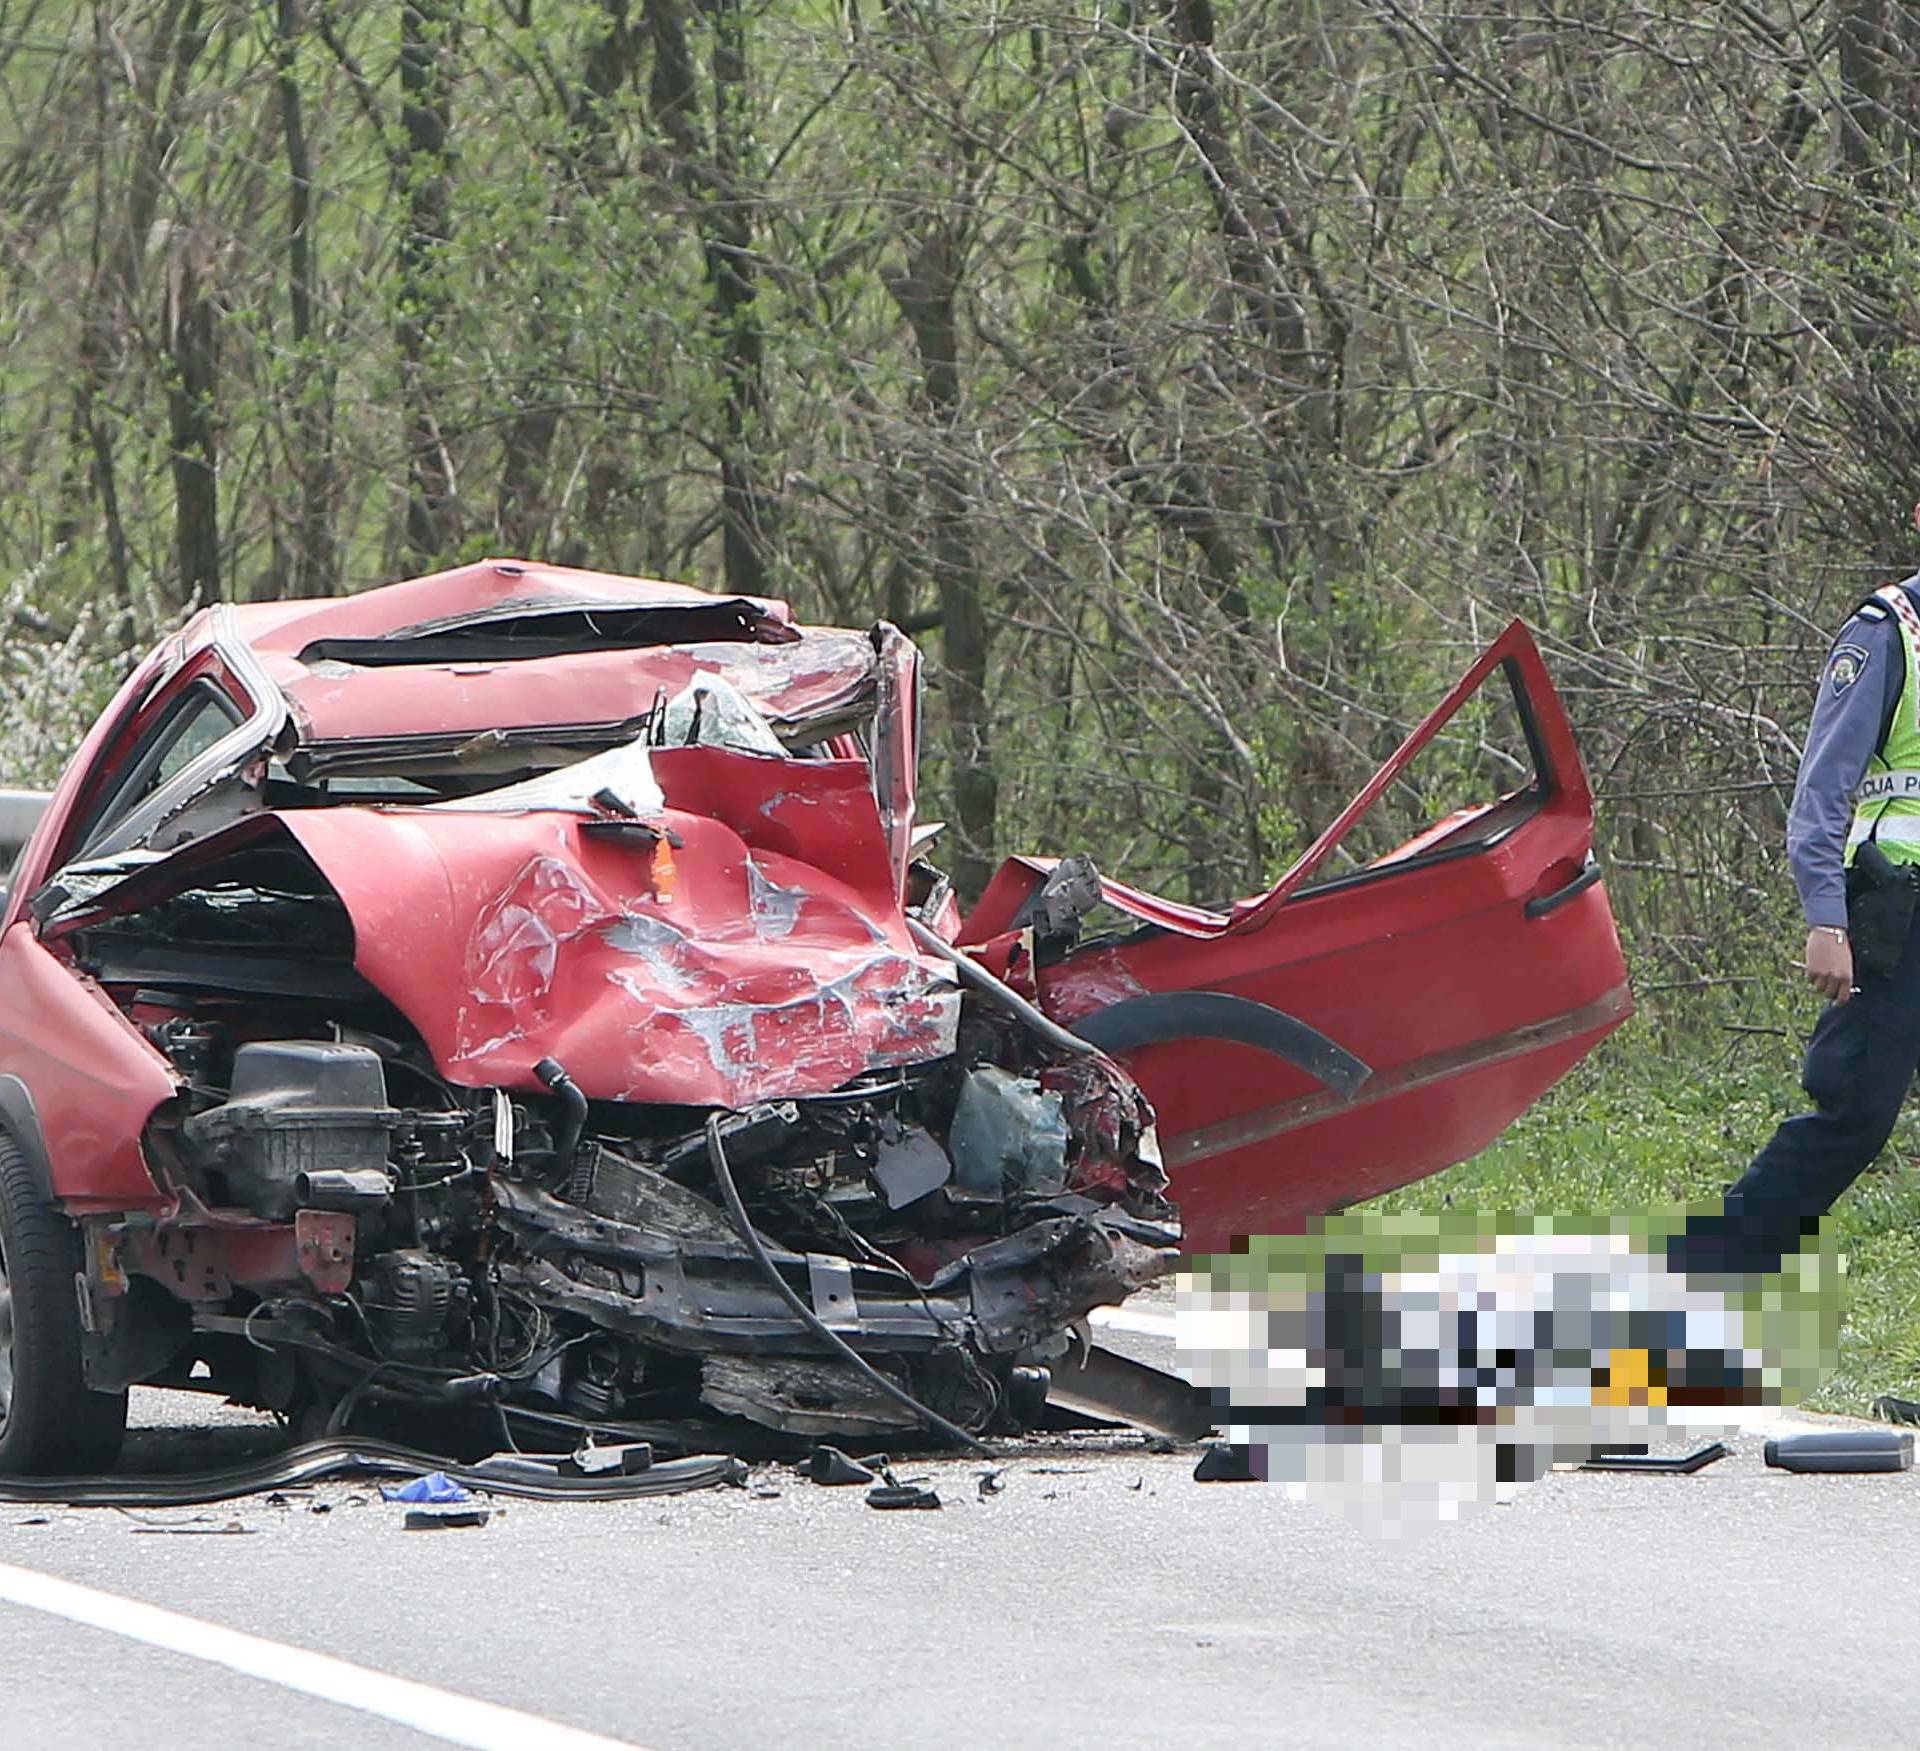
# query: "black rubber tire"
x,y
51,1425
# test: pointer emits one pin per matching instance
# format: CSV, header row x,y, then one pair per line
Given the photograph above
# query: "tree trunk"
x,y
730,269
426,117
192,389
926,293
523,514
311,567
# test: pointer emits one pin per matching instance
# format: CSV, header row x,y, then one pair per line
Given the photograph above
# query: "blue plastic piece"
x,y
436,1486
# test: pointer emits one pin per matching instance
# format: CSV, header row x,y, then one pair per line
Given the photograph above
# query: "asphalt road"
x,y
1102,1598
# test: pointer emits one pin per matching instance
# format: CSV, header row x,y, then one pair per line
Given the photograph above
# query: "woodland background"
x,y
1202,383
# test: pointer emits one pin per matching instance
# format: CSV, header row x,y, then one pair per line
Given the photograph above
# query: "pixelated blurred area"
x,y
1406,1369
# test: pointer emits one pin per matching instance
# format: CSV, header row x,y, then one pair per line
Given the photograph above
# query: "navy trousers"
x,y
1859,1063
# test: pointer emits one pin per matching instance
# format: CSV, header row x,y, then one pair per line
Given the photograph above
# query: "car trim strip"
x,y
1263,1123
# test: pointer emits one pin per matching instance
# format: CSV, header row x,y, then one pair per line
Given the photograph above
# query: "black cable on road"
x,y
353,1457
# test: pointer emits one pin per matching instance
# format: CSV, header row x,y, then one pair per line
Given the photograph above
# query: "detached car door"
x,y
1451,977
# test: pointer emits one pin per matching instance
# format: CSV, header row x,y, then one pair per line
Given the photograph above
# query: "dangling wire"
x,y
737,1211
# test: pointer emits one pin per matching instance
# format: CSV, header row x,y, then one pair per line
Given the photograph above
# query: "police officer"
x,y
1859,785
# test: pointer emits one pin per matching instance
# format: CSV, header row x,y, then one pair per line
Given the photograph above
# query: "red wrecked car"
x,y
520,992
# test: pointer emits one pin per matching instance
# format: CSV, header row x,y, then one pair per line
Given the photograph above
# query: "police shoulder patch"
x,y
1845,667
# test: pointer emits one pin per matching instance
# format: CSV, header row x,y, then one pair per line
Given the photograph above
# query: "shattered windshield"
x,y
709,712
624,775
507,770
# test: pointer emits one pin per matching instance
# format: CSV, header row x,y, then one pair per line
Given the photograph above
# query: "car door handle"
x,y
1542,904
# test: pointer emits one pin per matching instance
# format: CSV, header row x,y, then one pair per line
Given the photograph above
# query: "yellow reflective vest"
x,y
1886,807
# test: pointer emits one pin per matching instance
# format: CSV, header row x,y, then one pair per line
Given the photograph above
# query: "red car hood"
x,y
762,956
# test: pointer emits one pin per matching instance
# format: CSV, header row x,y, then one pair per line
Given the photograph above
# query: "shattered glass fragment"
x,y
626,771
909,1165
776,910
711,712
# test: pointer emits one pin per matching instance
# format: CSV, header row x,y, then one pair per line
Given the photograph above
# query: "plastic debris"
x,y
1225,1462
828,1465
1843,1450
435,1487
902,1495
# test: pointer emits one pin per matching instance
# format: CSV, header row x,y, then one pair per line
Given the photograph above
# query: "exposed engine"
x,y
558,1258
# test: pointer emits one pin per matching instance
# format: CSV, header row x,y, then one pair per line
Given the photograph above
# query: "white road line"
x,y
440,1714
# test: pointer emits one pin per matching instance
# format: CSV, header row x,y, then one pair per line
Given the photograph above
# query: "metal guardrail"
x,y
20,812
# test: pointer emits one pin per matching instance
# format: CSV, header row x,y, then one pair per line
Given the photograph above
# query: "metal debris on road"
x,y
621,1460
197,1525
1660,1464
447,1516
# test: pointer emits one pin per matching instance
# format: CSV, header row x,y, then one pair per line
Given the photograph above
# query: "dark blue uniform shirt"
x,y
1859,688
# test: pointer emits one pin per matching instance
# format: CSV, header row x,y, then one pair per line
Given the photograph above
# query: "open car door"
x,y
1360,1026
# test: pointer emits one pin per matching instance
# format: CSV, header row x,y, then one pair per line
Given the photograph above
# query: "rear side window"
x,y
201,717
205,720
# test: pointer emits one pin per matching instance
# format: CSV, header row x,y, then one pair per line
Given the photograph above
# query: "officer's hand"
x,y
1829,964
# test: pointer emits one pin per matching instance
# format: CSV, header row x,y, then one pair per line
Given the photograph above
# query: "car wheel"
x,y
50,1423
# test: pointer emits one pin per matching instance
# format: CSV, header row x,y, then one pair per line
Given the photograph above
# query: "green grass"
x,y
1642,1125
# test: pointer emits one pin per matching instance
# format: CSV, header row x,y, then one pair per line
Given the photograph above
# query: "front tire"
x,y
51,1424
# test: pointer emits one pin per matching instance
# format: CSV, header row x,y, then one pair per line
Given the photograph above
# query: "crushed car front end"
x,y
595,1065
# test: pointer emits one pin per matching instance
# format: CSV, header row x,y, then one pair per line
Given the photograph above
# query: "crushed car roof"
x,y
504,643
